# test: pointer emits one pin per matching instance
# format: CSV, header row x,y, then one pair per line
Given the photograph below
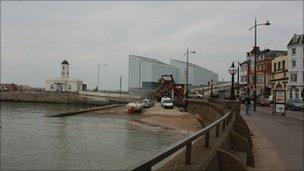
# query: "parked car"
x,y
263,102
294,104
166,102
195,95
148,103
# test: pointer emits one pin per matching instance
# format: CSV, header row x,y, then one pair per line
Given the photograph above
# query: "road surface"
x,y
285,133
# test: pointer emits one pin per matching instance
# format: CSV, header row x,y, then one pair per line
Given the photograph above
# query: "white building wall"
x,y
65,85
197,75
159,70
142,69
299,69
134,71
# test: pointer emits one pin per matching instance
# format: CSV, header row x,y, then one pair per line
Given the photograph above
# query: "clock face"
x,y
62,72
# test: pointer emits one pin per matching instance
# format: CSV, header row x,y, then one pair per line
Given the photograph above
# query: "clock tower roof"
x,y
65,62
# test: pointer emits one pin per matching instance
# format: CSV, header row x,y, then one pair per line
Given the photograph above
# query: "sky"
x,y
37,36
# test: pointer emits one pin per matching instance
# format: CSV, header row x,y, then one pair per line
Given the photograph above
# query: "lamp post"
x,y
187,75
232,72
255,49
238,80
210,83
99,65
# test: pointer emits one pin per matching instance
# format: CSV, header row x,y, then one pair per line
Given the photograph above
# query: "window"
x,y
293,63
275,67
293,51
67,73
70,87
294,77
62,67
283,64
279,65
291,78
297,93
290,93
52,86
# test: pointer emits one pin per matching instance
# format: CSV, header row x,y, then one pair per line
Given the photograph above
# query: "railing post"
x,y
217,133
207,135
224,124
188,154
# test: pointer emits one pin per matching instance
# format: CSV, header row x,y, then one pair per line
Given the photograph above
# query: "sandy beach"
x,y
157,116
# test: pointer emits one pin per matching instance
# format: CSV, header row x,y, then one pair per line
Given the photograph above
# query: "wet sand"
x,y
158,117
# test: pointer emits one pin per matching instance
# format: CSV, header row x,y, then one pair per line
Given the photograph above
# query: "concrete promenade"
x,y
278,139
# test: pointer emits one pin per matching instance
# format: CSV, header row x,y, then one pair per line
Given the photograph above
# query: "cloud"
x,y
37,36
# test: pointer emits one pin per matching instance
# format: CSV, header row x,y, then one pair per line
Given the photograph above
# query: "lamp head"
x,y
232,69
267,23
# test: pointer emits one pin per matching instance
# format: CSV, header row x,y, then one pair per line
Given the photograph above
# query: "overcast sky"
x,y
37,36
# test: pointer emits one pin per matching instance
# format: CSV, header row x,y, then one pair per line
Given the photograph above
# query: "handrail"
x,y
186,142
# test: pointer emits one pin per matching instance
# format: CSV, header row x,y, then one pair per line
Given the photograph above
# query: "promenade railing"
x,y
187,142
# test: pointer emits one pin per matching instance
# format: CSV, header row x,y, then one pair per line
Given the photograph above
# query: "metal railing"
x,y
187,142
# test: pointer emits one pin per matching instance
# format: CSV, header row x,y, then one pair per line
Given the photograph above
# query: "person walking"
x,y
248,105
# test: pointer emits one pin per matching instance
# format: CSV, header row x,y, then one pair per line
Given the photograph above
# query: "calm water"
x,y
30,140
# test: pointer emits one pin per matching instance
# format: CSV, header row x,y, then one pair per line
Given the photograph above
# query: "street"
x,y
283,132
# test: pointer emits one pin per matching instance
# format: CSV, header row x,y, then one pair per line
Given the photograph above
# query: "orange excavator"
x,y
168,87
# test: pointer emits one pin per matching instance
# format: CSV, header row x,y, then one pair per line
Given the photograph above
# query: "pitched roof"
x,y
272,53
65,62
296,40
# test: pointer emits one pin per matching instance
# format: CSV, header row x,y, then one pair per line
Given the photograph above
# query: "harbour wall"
x,y
54,97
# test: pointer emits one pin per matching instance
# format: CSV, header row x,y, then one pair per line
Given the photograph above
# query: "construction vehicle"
x,y
168,87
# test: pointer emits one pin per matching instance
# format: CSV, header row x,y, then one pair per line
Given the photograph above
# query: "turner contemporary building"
x,y
145,72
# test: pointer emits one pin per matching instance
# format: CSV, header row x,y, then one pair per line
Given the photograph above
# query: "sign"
x,y
280,108
279,102
280,96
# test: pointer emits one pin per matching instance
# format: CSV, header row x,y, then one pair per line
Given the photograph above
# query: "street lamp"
x,y
255,49
99,65
210,83
238,80
232,72
187,75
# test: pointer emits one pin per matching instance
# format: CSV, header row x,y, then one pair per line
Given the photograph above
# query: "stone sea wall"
x,y
50,97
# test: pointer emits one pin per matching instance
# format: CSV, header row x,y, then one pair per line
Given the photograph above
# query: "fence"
x,y
187,142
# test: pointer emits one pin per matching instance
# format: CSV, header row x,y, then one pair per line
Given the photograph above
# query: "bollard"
x,y
217,133
224,124
188,154
207,135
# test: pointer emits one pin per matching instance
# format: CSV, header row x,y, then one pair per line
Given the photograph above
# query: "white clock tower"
x,y
65,69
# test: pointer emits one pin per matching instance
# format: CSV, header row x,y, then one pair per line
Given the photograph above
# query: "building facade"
x,y
64,83
279,80
295,67
145,72
244,69
198,76
264,70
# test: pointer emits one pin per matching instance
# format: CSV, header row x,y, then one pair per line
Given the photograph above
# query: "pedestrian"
x,y
248,105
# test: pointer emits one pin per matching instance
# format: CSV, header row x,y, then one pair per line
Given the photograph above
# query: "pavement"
x,y
278,140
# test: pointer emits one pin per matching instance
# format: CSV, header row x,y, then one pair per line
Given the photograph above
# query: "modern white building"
x,y
198,76
296,67
63,83
145,72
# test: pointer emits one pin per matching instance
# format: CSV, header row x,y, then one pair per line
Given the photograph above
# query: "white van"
x,y
166,102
